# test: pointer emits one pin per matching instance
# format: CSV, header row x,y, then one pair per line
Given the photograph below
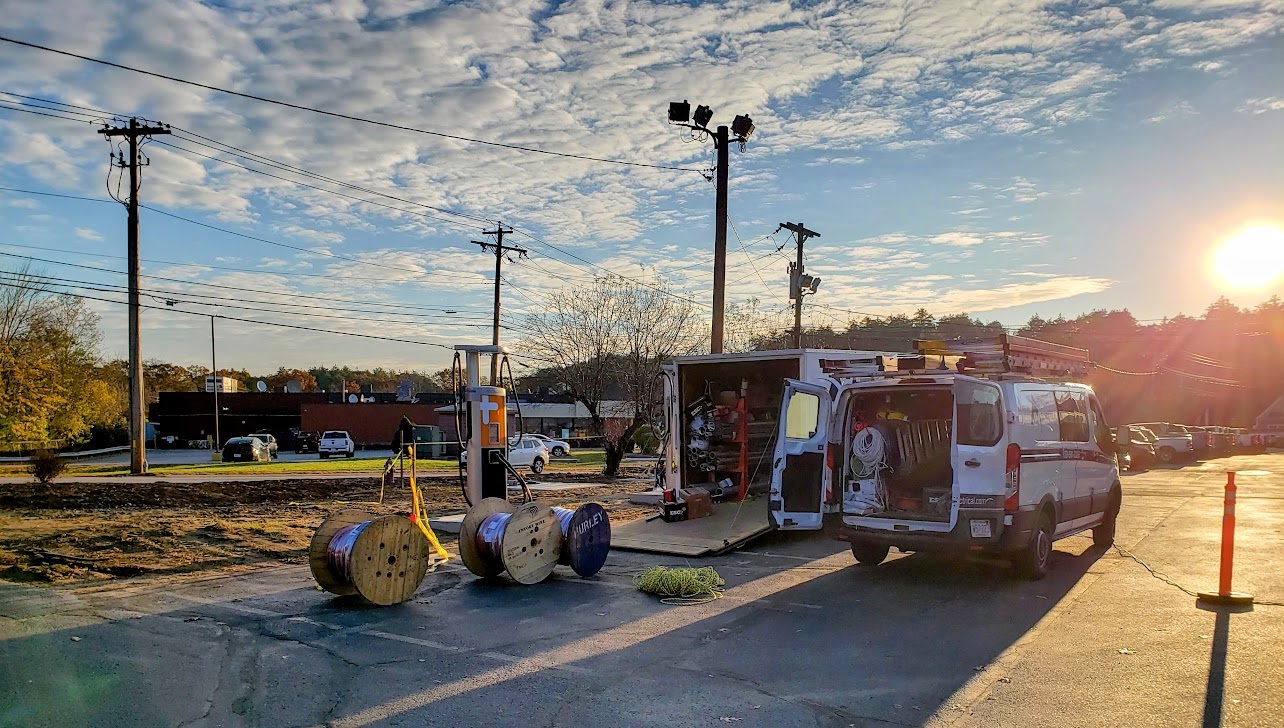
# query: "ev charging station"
x,y
487,430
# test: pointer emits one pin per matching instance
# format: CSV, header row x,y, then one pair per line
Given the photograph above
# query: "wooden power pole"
x,y
500,251
721,142
137,408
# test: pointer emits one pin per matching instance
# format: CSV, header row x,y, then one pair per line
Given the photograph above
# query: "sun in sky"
x,y
1251,258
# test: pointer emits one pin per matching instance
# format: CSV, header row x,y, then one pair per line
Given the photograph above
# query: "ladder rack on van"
x,y
1008,354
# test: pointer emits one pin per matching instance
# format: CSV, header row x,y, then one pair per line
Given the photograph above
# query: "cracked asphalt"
x,y
803,637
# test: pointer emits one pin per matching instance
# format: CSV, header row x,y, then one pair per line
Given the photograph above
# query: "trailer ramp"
x,y
732,525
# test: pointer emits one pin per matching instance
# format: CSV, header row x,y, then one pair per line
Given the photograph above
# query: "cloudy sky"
x,y
999,157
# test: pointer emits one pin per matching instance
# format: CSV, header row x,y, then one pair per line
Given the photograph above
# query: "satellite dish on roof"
x,y
352,399
262,386
294,386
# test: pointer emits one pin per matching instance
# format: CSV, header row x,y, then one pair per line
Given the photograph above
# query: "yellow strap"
x,y
421,518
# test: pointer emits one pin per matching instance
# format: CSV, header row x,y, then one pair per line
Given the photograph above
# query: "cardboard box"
x,y
699,504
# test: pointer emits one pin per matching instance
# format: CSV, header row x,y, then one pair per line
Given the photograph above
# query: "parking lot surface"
x,y
802,637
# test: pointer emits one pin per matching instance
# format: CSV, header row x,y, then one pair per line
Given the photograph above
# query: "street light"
x,y
741,128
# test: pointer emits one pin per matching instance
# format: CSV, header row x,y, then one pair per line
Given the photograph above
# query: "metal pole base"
x,y
1232,599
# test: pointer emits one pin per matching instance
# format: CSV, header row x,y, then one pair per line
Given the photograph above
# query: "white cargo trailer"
x,y
722,416
722,411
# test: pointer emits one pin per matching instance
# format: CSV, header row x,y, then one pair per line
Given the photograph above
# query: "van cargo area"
x,y
896,455
729,412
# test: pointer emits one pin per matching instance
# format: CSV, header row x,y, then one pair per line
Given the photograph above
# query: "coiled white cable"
x,y
869,450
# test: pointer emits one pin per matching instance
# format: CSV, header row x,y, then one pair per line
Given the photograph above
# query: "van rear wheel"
x,y
1034,561
870,554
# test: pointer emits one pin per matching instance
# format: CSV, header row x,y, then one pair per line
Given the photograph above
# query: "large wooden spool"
x,y
386,562
528,546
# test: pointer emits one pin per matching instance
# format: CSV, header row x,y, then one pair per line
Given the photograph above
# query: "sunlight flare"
x,y
1251,258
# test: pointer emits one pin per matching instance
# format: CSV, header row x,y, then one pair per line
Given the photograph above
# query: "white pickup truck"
x,y
337,443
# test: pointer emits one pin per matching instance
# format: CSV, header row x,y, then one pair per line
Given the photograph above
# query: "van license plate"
x,y
981,528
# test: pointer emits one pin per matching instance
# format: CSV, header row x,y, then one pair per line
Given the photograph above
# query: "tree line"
x,y
605,342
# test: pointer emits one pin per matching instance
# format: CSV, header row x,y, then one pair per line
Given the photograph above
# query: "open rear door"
x,y
667,464
798,468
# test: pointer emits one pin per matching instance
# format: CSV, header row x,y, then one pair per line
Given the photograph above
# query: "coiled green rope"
x,y
681,586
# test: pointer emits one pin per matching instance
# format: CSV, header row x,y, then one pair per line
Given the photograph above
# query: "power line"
x,y
314,187
529,235
203,266
251,321
220,286
339,115
310,251
243,154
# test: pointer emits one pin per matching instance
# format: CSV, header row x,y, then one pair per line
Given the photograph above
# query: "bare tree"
x,y
607,340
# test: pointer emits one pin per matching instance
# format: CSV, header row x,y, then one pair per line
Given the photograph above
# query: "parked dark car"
x,y
1142,453
1142,448
307,441
245,449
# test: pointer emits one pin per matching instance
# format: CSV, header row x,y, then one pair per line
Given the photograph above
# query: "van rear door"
x,y
799,472
979,457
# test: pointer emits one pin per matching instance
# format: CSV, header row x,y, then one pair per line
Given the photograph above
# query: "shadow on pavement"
x,y
1215,693
793,643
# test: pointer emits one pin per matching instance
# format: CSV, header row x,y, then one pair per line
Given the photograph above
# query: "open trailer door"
x,y
798,467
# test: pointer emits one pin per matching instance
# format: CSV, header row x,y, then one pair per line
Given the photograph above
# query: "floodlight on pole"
x,y
702,116
680,112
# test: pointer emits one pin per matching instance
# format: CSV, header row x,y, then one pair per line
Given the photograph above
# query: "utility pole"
x,y
741,129
218,442
797,287
137,414
721,144
500,251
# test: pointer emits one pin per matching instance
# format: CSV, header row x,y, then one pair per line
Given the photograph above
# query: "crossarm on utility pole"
x,y
500,250
795,281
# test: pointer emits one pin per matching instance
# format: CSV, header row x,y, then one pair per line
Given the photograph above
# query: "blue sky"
x,y
1002,158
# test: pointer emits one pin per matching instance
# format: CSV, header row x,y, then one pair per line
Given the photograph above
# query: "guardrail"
x,y
26,447
69,455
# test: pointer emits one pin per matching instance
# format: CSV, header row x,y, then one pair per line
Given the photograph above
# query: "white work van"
x,y
939,461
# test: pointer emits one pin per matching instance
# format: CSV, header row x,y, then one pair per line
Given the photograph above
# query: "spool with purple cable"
x,y
529,540
383,559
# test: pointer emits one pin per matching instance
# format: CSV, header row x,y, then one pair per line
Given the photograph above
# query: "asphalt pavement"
x,y
802,637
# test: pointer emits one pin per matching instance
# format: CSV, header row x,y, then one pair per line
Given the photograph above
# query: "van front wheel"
x,y
869,554
1034,560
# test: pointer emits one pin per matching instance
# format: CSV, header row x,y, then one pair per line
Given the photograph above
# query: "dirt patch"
x,y
68,532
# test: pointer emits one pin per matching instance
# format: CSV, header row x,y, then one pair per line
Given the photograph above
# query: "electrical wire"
x,y
525,233
309,251
170,300
209,285
247,155
338,115
227,318
315,187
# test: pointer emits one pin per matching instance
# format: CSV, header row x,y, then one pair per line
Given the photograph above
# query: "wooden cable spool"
x,y
524,540
383,559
